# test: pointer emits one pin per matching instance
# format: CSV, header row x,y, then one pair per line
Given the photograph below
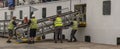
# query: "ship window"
x,y
43,12
5,15
59,9
21,14
11,14
107,7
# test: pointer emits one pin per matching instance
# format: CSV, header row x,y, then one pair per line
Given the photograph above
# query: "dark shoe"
x,y
61,41
29,42
69,41
55,41
8,41
75,41
33,42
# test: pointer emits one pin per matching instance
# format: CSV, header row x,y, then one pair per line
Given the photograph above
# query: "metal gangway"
x,y
45,26
4,27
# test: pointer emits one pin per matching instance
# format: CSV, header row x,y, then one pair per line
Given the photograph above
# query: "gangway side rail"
x,y
44,25
3,27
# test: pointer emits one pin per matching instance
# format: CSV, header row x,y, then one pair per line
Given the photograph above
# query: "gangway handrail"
x,y
52,17
43,21
4,24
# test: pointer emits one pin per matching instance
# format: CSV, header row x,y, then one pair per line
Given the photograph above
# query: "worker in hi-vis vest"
x,y
33,29
11,26
58,24
74,30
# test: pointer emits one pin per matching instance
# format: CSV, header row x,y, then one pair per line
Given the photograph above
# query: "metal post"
x,y
30,11
11,14
4,31
70,5
71,9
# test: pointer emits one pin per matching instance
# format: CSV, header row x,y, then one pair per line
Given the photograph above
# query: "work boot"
x,y
61,41
70,41
8,41
33,42
75,41
29,42
55,41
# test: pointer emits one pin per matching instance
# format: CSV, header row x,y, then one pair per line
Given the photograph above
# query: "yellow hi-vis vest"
x,y
58,22
33,24
10,25
75,25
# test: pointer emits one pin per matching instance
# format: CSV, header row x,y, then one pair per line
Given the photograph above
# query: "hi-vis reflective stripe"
x,y
58,22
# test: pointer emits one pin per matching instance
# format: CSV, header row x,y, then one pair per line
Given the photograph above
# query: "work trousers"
x,y
58,33
72,36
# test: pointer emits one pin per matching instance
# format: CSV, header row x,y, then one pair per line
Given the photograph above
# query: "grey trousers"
x,y
58,33
72,36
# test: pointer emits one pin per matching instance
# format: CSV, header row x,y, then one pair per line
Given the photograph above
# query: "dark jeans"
x,y
44,0
58,33
57,37
33,32
10,32
72,36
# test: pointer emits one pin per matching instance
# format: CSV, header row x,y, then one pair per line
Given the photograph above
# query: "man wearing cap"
x,y
74,30
33,28
58,24
11,26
